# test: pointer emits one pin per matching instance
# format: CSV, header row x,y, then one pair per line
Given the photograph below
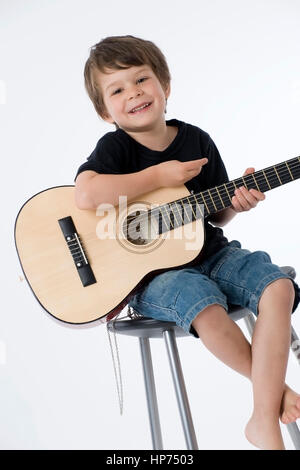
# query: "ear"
x,y
106,117
168,90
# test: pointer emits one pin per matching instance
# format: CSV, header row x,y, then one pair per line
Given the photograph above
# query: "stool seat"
x,y
145,327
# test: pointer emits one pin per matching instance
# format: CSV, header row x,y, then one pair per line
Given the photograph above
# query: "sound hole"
x,y
139,228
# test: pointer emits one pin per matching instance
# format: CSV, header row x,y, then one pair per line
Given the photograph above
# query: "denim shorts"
x,y
232,276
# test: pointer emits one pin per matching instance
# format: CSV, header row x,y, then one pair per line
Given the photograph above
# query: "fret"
x,y
273,179
197,205
289,171
174,215
239,182
284,173
163,226
224,196
185,210
225,186
207,201
277,174
212,200
255,182
220,197
191,208
167,210
180,211
251,181
244,182
169,220
231,189
266,179
218,203
205,204
294,167
248,182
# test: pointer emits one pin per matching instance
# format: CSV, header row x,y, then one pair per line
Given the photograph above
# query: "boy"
x,y
128,81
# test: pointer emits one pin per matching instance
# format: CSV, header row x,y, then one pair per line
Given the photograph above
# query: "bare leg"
x,y
270,350
224,339
222,336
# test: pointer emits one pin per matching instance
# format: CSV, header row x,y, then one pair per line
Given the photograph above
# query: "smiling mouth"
x,y
140,109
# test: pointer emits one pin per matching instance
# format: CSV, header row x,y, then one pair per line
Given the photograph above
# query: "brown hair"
x,y
122,52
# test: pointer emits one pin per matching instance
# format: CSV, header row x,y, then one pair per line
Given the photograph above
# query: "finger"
x,y
195,164
236,205
246,202
248,171
258,194
253,196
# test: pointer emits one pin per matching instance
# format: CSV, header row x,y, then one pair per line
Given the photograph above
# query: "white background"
x,y
236,74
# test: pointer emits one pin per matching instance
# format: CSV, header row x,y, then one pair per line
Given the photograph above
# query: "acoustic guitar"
x,y
84,265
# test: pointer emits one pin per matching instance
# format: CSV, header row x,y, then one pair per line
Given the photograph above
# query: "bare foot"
x,y
290,406
264,434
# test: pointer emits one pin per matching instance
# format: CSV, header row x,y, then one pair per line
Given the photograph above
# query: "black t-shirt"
x,y
118,153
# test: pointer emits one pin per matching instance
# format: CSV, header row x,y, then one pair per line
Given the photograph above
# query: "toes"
x,y
294,413
283,418
290,416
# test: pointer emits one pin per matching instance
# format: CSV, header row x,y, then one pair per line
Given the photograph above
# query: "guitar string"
x,y
271,180
195,199
261,177
179,211
200,197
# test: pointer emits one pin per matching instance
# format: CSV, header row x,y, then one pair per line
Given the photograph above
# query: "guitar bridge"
x,y
72,239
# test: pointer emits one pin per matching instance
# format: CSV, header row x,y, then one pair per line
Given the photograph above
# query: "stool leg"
x,y
181,394
250,323
295,342
292,427
295,345
294,434
151,394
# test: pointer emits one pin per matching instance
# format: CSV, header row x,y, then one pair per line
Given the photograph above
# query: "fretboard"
x,y
188,209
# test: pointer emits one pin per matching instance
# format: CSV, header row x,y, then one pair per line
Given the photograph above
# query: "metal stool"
x,y
145,328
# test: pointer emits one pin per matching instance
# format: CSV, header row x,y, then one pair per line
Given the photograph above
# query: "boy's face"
x,y
126,89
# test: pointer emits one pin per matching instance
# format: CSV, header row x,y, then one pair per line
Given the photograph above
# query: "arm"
x,y
92,188
223,217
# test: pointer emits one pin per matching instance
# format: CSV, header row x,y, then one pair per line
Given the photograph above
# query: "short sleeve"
x,y
106,158
214,172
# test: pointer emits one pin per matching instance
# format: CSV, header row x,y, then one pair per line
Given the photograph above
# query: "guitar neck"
x,y
202,204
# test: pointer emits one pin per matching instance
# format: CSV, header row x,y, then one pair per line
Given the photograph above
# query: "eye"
x,y
143,78
116,91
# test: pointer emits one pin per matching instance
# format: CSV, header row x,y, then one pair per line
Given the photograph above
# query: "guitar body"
x,y
118,265
85,265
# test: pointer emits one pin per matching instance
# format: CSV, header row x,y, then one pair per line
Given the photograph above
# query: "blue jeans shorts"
x,y
232,276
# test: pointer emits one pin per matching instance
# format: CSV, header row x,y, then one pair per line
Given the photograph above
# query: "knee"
x,y
209,318
282,290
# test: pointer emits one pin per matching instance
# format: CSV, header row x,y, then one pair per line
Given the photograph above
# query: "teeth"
x,y
141,107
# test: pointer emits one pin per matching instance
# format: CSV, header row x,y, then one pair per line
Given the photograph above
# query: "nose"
x,y
135,91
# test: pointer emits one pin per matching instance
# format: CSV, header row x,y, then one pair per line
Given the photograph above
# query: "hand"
x,y
245,200
175,173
